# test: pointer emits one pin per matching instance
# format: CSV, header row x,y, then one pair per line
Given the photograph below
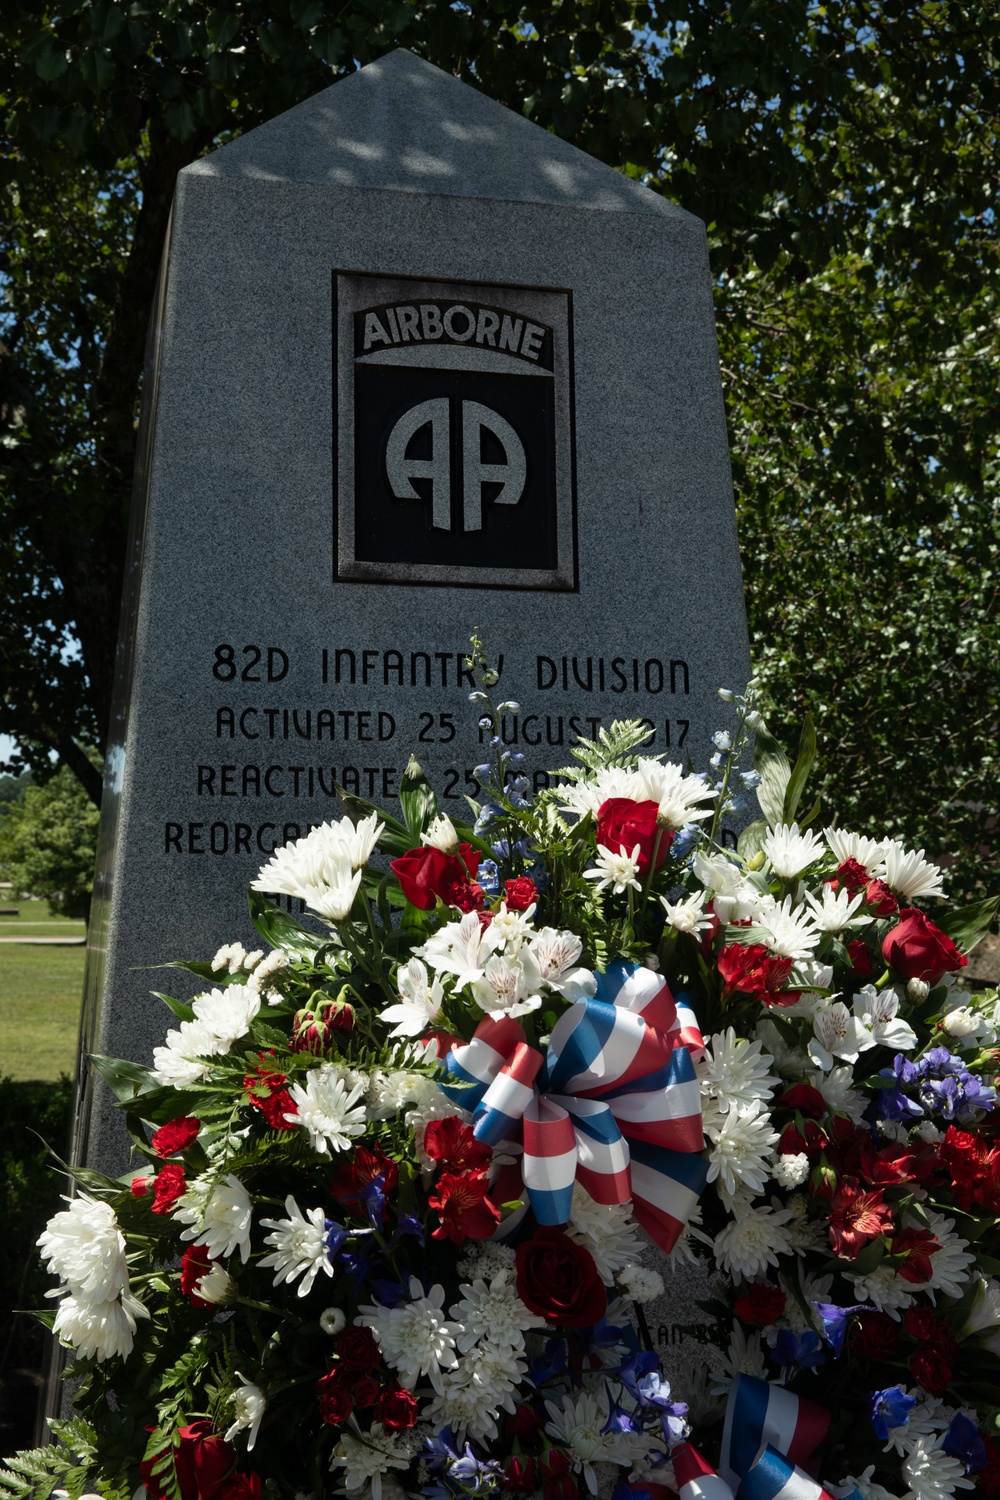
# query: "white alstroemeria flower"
x,y
299,1246
734,897
327,1110
984,1314
507,988
877,1011
788,933
250,1404
677,796
554,954
420,1002
584,798
415,1337
834,911
791,850
845,845
459,948
441,835
218,1216
619,871
908,874
510,930
838,1033
687,915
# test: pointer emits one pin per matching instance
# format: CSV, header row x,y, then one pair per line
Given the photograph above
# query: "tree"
x,y
48,844
844,159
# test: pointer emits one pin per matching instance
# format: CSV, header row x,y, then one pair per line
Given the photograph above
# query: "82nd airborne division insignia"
x,y
453,433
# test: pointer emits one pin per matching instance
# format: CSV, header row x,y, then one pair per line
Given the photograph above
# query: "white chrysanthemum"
x,y
788,1059
577,1424
741,1149
791,1170
838,1033
473,1394
687,915
678,797
835,911
791,850
640,1284
554,955
84,1246
845,845
804,1234
949,1265
510,930
415,1337
264,972
178,1063
216,1286
745,1356
931,1473
617,871
299,1246
484,1258
884,1288
908,874
367,1460
327,1110
320,857
335,898
752,1242
96,1330
441,835
390,1093
420,1002
226,1014
842,1098
493,1311
813,1289
249,1404
508,988
788,933
584,798
217,1217
878,1011
734,897
865,1485
607,1230
459,948
735,1071
927,1419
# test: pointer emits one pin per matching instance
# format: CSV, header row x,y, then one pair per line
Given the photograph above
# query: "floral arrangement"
x,y
408,1179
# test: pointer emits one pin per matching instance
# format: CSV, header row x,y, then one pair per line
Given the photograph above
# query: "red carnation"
x,y
853,875
974,1168
169,1185
242,1487
195,1263
917,949
875,1335
334,1399
176,1135
397,1408
519,893
427,873
557,1278
622,824
857,1217
761,1304
203,1462
931,1369
357,1349
266,1091
451,1142
466,1211
880,898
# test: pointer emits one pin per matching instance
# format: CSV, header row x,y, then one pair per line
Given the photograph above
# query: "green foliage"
x,y
69,1464
48,844
12,788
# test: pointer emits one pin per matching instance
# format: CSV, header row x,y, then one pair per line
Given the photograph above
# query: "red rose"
x,y
466,1211
176,1135
875,1335
930,1369
358,1349
523,1422
921,1324
242,1487
397,1408
426,873
519,893
557,1278
195,1262
861,959
364,1392
140,1186
314,1027
451,1142
334,1399
203,1462
622,823
880,898
266,1091
169,1185
559,1482
520,1476
916,949
761,1304
806,1099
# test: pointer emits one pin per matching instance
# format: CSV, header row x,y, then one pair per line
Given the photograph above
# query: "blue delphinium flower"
x,y
942,1085
488,873
964,1441
891,1408
835,1321
798,1350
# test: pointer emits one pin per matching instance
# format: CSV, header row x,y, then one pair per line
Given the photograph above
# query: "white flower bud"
x,y
651,962
441,835
332,1321
791,1170
961,1022
641,1284
917,989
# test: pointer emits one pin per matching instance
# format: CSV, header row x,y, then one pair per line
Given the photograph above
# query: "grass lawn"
x,y
40,990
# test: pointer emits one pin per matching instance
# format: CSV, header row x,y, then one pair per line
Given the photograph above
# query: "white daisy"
x,y
877,1010
327,1110
420,1002
620,871
791,850
834,911
687,915
908,874
217,1217
415,1337
838,1033
299,1246
735,1071
788,933
607,1230
845,845
741,1149
753,1241
250,1404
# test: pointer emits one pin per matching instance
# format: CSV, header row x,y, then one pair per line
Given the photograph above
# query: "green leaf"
x,y
969,926
750,840
281,930
180,1008
124,1079
775,773
417,800
800,771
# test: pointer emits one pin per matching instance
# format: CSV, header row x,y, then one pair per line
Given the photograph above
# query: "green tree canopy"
x,y
844,158
48,844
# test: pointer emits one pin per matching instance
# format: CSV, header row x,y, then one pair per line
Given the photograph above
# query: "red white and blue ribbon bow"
x,y
762,1420
613,1104
771,1476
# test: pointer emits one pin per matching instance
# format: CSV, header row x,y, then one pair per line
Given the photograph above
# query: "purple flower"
x,y
891,1408
835,1322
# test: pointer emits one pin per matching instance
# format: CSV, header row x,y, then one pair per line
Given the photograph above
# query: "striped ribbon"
x,y
613,1104
761,1417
